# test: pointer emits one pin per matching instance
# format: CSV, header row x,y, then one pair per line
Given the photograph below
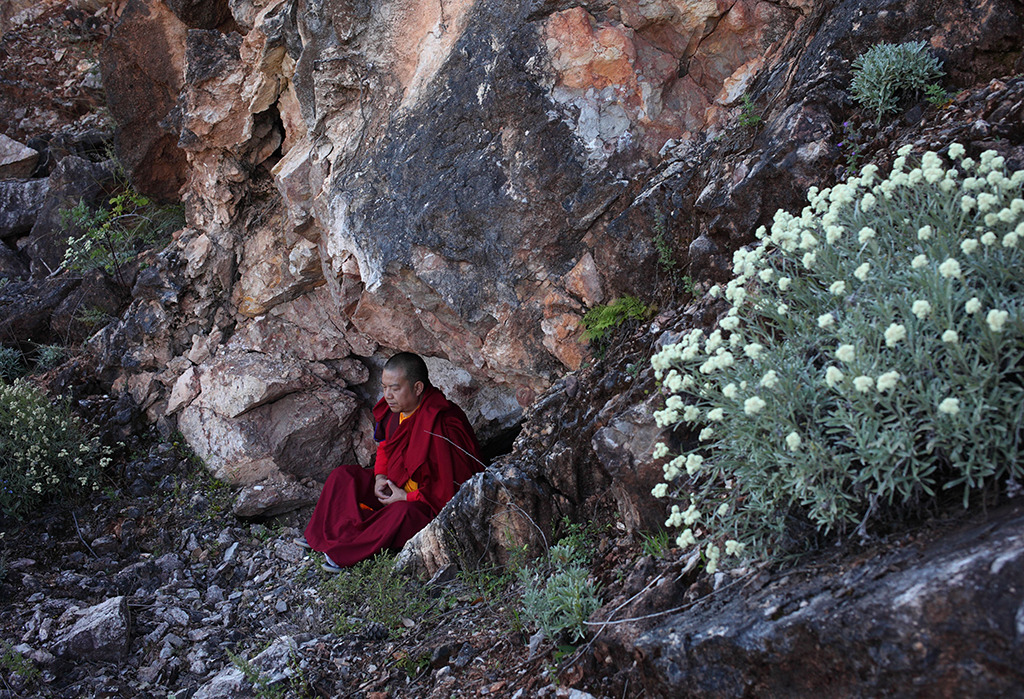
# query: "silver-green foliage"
x,y
560,597
872,357
11,365
885,73
43,451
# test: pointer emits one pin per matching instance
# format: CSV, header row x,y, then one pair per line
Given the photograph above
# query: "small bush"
x,y
49,356
886,73
43,452
558,596
11,364
601,321
750,118
109,238
872,358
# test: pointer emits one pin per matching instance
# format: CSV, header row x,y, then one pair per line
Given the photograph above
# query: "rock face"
x,y
465,180
100,634
939,620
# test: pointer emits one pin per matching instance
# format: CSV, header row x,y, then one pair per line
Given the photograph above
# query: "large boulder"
x,y
20,202
26,308
930,619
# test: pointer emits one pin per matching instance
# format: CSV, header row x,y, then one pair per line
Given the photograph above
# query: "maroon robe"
x,y
434,447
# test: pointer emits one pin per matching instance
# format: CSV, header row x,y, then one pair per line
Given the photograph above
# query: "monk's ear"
x,y
418,388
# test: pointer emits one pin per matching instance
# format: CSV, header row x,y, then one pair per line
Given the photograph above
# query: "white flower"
x,y
863,384
989,239
888,380
862,271
968,246
833,234
770,379
1011,239
722,510
949,406
706,434
734,548
833,376
693,463
894,334
845,353
996,320
950,337
826,320
660,490
686,539
867,202
809,258
919,261
729,391
955,151
837,288
950,269
766,274
660,450
753,350
924,232
921,308
691,515
865,234
691,413
972,306
715,291
782,309
784,283
966,203
793,441
730,323
753,405
716,415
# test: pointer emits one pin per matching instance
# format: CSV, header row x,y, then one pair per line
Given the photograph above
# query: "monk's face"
x,y
401,396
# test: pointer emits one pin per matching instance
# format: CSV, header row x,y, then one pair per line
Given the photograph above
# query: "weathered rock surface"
x,y
102,633
17,161
467,181
26,309
938,619
20,203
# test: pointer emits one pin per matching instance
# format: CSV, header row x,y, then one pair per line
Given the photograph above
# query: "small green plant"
x,y
656,544
94,317
600,321
750,118
870,360
936,95
11,364
887,73
558,594
49,356
13,662
852,146
371,592
109,238
43,451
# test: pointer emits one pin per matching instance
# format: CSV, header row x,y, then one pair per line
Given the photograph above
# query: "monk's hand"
x,y
382,487
397,494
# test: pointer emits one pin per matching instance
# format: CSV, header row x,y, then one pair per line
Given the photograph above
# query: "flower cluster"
x,y
43,453
871,354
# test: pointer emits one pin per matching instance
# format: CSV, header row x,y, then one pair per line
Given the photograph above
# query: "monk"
x,y
425,449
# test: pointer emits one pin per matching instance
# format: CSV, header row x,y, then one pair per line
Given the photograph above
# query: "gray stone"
x,y
17,161
101,634
20,203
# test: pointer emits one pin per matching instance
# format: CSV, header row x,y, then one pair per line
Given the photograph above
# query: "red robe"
x,y
349,524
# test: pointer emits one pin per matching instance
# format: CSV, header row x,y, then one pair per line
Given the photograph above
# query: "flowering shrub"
x,y
43,452
887,72
871,357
